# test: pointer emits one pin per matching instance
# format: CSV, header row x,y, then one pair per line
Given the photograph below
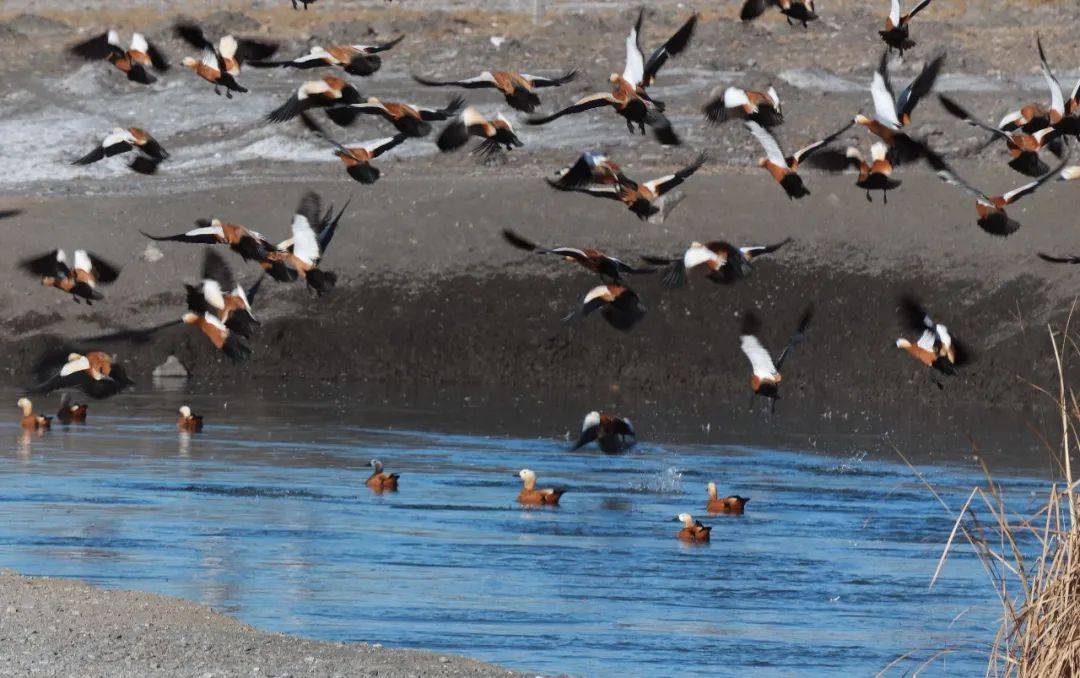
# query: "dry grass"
x,y
1032,562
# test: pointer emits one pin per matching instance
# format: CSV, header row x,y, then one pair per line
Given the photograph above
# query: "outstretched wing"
x,y
817,145
674,45
768,142
1029,188
882,94
485,79
634,72
1057,99
797,337
957,111
664,184
538,81
919,87
598,100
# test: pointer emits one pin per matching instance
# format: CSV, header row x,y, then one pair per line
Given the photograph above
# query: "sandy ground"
x,y
59,627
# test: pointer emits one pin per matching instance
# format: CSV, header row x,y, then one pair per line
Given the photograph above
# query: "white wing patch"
x,y
760,360
697,255
894,13
79,364
138,43
768,142
211,291
207,230
735,97
884,106
591,419
634,72
305,244
82,261
927,340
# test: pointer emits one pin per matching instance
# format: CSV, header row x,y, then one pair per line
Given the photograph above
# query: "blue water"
x,y
265,516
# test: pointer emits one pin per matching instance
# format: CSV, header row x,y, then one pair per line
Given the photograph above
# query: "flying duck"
x,y
935,347
357,159
230,51
497,134
324,93
766,377
641,199
133,62
517,88
722,262
693,532
733,505
121,140
795,11
613,435
892,114
875,175
627,103
641,73
312,231
231,344
80,279
740,104
1023,147
408,119
620,306
785,168
991,209
381,482
249,244
96,373
594,260
188,422
896,33
31,421
71,413
530,496
219,294
1029,118
1064,115
361,60
591,168
212,68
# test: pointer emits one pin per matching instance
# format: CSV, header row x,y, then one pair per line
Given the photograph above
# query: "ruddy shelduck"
x,y
188,422
79,279
531,496
795,11
232,52
357,159
874,175
96,373
132,62
519,89
693,532
591,168
1023,147
329,91
733,505
149,153
218,293
312,231
497,134
31,421
211,67
379,481
409,119
250,245
619,305
785,168
641,199
612,434
935,347
721,262
71,412
362,60
1064,114
739,104
892,114
766,377
607,267
897,33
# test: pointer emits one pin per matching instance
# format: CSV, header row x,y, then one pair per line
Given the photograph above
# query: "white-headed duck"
x,y
497,134
230,50
607,267
211,68
1023,147
620,306
31,421
613,434
188,422
936,347
517,88
795,11
357,159
530,496
740,104
121,140
329,91
733,505
79,279
722,262
379,481
70,412
693,532
897,31
641,199
133,62
992,217
892,114
362,60
765,378
785,168
96,373
408,119
312,231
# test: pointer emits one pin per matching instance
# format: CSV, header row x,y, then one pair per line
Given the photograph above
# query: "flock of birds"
x,y
221,309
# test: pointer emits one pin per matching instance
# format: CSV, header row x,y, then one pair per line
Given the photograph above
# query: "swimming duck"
x,y
740,104
614,435
312,231
785,168
641,199
121,140
517,88
231,52
96,373
897,32
379,481
408,119
31,421
936,347
733,505
991,209
497,134
80,280
188,422
892,114
875,175
324,93
1023,147
620,306
218,293
766,377
362,60
530,496
591,259
795,11
357,159
722,262
71,413
133,62
212,68
693,531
